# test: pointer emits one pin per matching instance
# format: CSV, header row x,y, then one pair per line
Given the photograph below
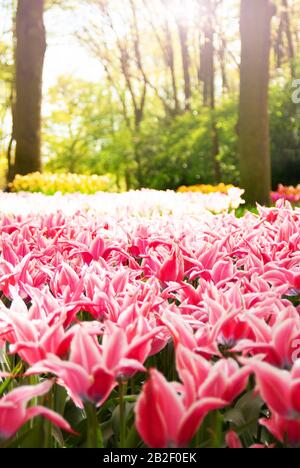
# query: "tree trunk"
x,y
10,154
30,53
222,60
207,64
253,128
291,52
185,57
170,61
285,30
207,75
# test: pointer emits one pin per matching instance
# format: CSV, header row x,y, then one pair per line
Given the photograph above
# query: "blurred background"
x,y
146,91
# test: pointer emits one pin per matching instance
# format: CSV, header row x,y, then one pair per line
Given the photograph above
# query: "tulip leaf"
x,y
34,438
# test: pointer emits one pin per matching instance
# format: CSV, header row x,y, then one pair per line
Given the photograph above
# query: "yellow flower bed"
x,y
202,188
50,184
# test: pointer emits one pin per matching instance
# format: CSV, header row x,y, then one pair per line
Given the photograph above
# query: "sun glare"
x,y
183,9
67,56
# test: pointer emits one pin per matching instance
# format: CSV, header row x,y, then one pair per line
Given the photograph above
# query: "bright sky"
x,y
64,54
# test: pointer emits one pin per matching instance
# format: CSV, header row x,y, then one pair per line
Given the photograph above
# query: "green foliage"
x,y
285,134
86,133
77,126
178,151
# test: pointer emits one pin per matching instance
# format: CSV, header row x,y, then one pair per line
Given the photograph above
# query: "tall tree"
x,y
207,75
164,37
284,29
29,57
183,32
253,128
125,70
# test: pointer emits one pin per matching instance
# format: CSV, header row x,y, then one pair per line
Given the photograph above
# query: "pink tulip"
x,y
172,268
65,283
14,414
233,440
159,406
224,380
180,329
281,391
278,388
283,429
277,343
125,354
94,252
150,268
92,371
33,335
15,276
84,375
165,265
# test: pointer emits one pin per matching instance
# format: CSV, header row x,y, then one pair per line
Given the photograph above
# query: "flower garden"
x,y
149,319
291,194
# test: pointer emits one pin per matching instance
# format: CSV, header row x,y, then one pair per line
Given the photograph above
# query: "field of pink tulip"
x,y
148,321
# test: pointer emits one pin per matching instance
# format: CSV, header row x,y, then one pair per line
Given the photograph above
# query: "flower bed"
x,y
169,329
291,194
144,203
49,184
206,188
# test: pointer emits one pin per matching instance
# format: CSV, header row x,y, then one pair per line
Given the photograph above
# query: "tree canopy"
x,y
159,104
